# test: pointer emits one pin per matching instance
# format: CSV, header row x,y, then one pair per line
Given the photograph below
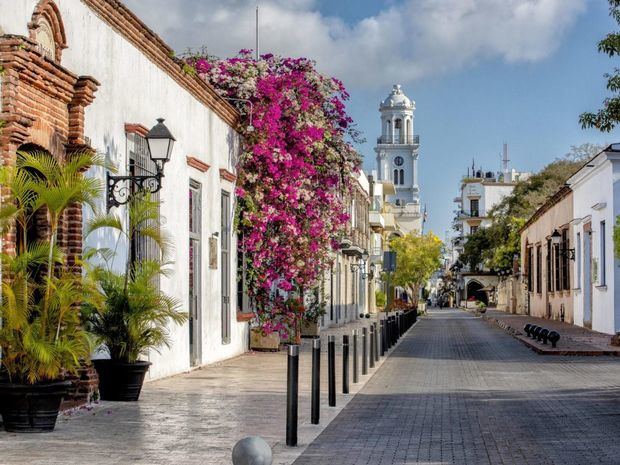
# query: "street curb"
x,y
517,334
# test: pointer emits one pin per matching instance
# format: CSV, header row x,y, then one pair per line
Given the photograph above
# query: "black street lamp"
x,y
120,188
556,239
361,265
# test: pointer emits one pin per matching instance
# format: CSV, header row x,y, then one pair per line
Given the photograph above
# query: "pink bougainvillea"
x,y
295,171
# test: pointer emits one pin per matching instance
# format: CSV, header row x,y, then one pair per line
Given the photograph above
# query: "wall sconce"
x,y
556,238
119,188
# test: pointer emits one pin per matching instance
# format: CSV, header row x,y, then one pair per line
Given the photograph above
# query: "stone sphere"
x,y
252,450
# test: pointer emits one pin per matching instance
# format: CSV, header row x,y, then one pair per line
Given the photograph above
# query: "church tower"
x,y
397,157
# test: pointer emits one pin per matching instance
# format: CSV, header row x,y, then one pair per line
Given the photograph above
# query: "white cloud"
x,y
401,43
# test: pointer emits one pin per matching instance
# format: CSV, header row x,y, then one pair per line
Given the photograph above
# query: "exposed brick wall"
x,y
42,105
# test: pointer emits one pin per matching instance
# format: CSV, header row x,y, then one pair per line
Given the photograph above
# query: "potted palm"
x,y
41,338
135,315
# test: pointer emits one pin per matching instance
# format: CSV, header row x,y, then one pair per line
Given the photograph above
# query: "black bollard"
x,y
292,389
382,328
371,336
364,351
398,333
331,370
345,363
356,375
377,340
316,381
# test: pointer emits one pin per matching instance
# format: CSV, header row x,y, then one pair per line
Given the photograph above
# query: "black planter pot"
x,y
31,408
120,380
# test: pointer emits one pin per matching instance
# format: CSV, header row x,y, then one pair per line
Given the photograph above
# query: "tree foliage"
x,y
417,258
608,117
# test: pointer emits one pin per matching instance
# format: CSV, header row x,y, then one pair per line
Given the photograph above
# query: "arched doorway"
x,y
474,289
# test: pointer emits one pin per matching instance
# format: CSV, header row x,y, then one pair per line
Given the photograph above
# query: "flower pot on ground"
x,y
310,328
259,340
31,408
121,381
135,314
41,337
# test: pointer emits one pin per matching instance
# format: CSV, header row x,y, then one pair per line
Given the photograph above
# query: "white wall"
x,y
592,186
134,90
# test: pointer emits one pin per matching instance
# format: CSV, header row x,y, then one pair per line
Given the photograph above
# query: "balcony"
x,y
399,140
469,214
376,219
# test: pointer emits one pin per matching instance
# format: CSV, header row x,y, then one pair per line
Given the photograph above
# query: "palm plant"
x,y
136,313
41,337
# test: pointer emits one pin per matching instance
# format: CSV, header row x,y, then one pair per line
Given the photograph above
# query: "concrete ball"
x,y
252,450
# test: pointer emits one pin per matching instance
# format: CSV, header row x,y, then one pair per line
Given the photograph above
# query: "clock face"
x,y
398,161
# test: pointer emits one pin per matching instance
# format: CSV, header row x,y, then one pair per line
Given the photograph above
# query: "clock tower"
x,y
397,157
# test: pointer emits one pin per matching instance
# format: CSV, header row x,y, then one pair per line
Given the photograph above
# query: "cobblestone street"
x,y
458,390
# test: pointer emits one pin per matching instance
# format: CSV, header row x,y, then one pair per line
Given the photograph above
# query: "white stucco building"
x,y
90,74
397,157
596,276
480,191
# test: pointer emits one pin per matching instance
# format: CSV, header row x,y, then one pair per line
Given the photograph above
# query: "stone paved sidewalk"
x,y
457,390
190,419
574,340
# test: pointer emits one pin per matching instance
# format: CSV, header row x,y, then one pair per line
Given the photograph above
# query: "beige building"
x,y
546,259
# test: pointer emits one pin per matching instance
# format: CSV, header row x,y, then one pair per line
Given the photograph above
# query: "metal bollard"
x,y
331,370
377,339
316,382
364,351
371,335
292,390
345,363
382,329
356,375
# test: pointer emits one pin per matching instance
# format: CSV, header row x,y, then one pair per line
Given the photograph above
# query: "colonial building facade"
x,y
546,260
480,191
596,205
89,75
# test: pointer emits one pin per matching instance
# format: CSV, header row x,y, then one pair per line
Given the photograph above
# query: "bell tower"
x,y
397,154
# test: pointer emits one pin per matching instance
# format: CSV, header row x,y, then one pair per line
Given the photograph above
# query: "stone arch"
x,y
474,289
46,28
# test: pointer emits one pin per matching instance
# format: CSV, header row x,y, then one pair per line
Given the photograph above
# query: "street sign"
x,y
389,261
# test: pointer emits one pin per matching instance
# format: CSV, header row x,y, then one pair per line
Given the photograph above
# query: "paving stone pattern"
x,y
458,390
190,419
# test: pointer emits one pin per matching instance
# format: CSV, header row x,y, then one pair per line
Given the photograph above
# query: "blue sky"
x,y
467,114
481,71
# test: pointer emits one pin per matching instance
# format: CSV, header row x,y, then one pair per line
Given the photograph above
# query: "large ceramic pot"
x,y
31,408
120,381
260,341
310,328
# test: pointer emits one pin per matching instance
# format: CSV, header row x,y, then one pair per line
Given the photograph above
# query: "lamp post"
x,y
120,189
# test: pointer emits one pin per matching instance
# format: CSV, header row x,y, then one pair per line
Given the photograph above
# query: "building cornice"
x,y
127,24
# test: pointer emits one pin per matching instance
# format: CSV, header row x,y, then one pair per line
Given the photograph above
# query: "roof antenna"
x,y
257,49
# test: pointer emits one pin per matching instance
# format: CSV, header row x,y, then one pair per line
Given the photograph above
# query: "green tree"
x,y
417,258
608,117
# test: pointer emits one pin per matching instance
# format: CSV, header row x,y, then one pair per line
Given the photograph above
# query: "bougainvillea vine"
x,y
295,171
